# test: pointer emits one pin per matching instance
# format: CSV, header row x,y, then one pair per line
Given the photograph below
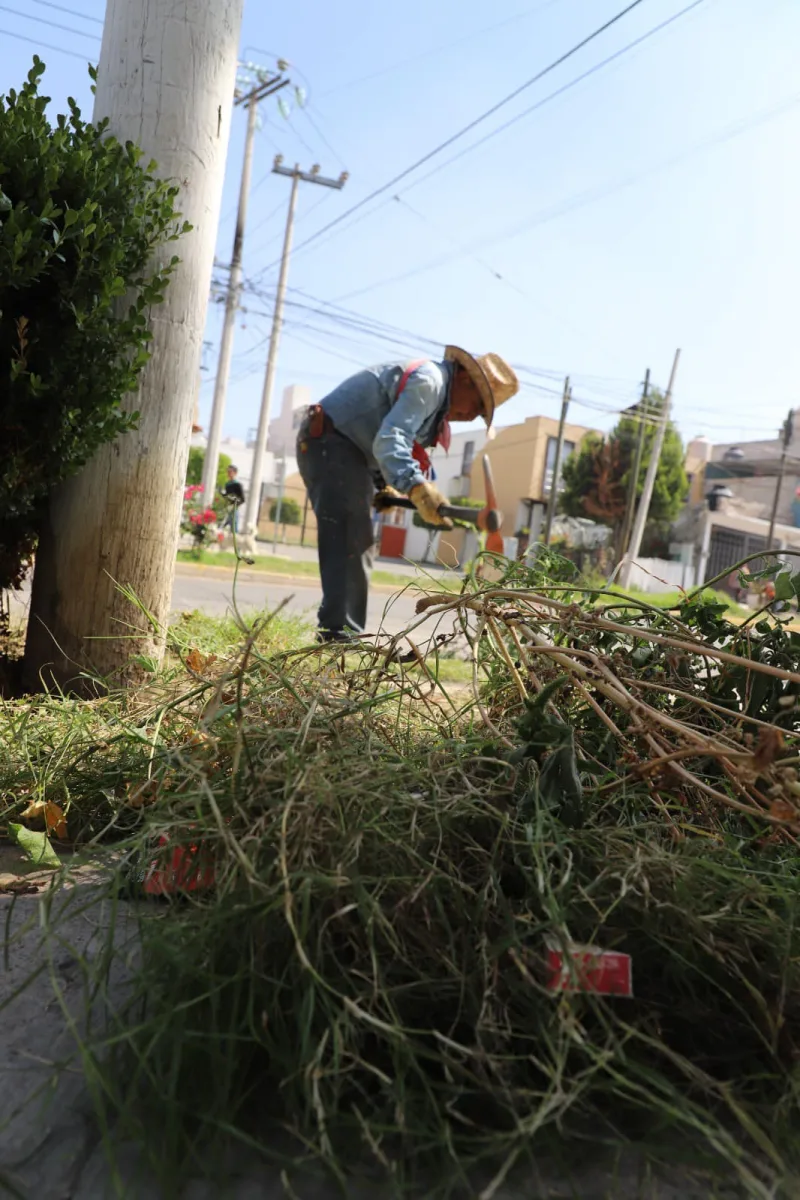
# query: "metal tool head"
x,y
493,519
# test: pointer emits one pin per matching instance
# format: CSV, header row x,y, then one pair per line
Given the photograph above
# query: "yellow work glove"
x,y
386,497
427,498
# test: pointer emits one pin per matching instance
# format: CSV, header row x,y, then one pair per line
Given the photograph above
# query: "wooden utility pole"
x,y
649,481
165,82
786,435
553,498
637,466
257,474
252,98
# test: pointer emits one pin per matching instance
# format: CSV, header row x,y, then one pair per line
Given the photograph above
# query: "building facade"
x,y
733,488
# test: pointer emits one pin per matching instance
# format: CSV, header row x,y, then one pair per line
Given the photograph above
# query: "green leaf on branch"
x,y
784,586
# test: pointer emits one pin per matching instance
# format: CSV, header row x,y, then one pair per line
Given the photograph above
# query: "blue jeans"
x,y
340,487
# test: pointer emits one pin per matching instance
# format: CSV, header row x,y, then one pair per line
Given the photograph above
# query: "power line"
x,y
308,149
441,48
404,341
360,320
44,45
279,208
73,12
557,62
496,275
321,135
396,337
500,129
587,197
558,92
292,329
53,24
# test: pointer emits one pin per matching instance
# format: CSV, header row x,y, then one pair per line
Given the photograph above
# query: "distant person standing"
x,y
234,494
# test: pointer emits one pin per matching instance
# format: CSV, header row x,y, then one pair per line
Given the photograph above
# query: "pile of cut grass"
x,y
90,757
368,972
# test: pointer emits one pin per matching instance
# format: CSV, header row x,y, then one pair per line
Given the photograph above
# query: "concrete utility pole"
x,y
165,81
256,478
786,435
553,498
265,88
637,466
649,481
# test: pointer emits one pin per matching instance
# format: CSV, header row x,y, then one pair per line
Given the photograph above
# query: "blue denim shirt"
x,y
384,426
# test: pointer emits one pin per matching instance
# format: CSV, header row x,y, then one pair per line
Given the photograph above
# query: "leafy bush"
x,y
80,217
194,468
290,511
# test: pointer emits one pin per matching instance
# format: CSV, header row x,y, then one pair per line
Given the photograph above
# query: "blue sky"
x,y
651,206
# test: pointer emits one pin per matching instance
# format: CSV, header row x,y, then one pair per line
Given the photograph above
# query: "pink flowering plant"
x,y
198,518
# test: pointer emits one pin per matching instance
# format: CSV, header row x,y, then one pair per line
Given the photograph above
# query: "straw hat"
x,y
491,374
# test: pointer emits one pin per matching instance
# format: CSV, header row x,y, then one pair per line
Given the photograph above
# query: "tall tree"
x,y
598,476
165,82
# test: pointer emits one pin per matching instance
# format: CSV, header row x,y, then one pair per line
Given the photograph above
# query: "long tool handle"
x,y
453,511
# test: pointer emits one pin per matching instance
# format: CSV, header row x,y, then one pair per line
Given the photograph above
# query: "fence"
x,y
652,574
292,535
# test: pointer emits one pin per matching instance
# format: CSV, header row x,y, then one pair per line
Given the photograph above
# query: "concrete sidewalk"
x,y
51,1146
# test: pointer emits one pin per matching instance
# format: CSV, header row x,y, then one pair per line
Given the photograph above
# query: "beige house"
x,y
733,488
523,460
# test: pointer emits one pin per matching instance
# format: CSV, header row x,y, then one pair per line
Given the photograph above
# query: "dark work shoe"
x,y
346,637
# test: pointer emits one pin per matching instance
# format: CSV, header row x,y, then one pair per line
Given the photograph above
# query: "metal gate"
x,y
729,547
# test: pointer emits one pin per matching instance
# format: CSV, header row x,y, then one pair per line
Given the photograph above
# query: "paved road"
x,y
212,594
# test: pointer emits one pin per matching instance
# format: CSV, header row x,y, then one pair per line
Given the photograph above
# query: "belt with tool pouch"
x,y
317,422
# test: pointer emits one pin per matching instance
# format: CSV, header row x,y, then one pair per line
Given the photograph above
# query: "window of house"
x,y
550,462
468,457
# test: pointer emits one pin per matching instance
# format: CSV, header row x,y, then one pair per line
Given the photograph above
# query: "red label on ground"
x,y
584,969
186,870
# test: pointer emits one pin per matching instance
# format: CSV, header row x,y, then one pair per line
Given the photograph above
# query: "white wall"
x,y
448,465
417,541
281,434
660,574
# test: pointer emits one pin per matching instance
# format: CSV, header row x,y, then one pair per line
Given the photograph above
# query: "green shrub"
x,y
290,511
80,217
194,467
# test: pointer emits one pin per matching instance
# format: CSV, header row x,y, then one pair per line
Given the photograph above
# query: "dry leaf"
x,y
137,795
781,810
46,814
198,662
770,744
10,884
201,740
